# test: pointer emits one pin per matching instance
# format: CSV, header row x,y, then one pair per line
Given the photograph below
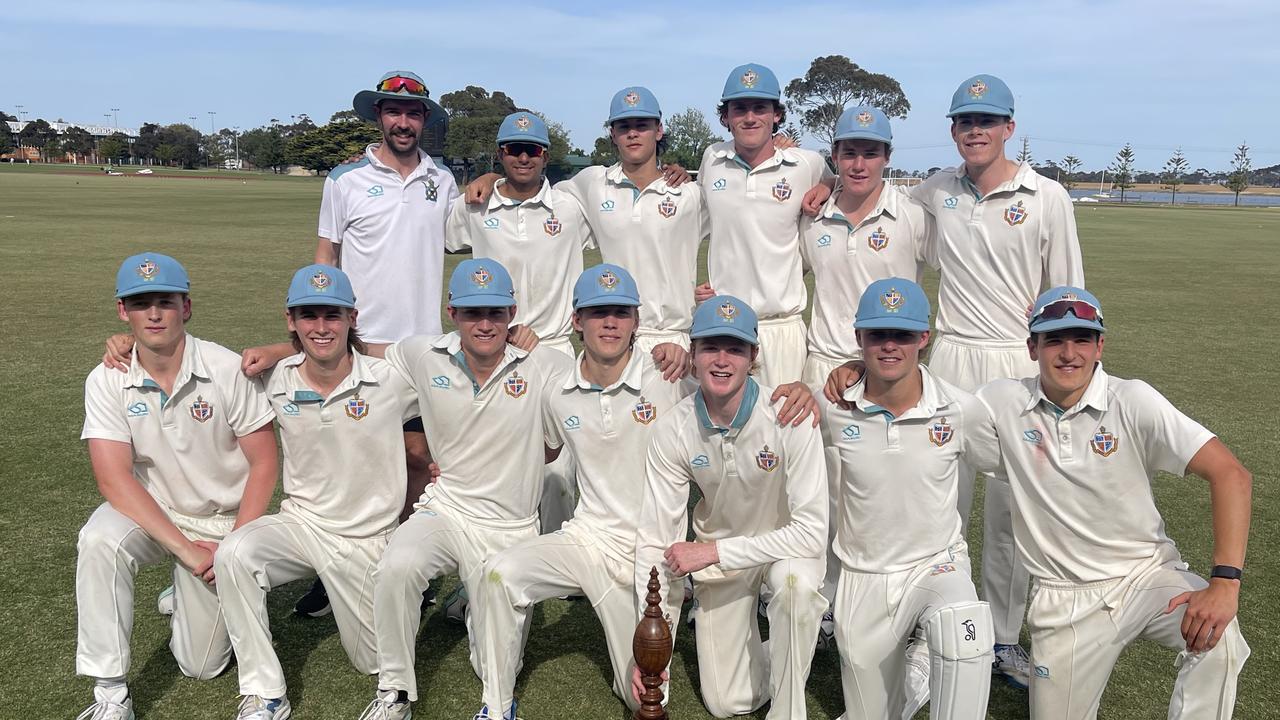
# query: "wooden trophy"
x,y
652,649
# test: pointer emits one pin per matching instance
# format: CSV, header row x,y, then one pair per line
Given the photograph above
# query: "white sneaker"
x,y
827,631
253,707
104,707
484,713
385,706
455,606
1012,662
917,677
165,603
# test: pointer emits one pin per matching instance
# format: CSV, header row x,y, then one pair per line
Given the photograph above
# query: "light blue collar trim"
x,y
750,394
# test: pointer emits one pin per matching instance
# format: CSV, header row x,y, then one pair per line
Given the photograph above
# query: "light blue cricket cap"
x,y
481,282
523,126
982,94
724,316
605,284
1064,293
863,123
149,273
893,304
752,80
634,102
320,285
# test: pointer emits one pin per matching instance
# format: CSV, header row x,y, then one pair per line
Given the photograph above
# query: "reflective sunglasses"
x,y
986,122
516,149
402,84
1079,308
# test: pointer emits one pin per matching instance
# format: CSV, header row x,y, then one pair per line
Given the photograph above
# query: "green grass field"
x,y
1187,292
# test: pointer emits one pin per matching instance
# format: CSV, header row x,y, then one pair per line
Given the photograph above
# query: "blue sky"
x,y
1088,76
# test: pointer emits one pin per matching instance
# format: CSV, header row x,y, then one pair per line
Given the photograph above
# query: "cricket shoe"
x,y
508,715
1011,661
918,669
106,707
315,603
387,705
827,631
165,603
253,707
456,605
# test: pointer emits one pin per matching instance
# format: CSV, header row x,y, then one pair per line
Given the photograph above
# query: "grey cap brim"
x,y
365,104
981,108
156,288
891,324
1064,323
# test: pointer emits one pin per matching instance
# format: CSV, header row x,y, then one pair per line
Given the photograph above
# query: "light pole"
x,y
211,114
115,123
21,154
237,136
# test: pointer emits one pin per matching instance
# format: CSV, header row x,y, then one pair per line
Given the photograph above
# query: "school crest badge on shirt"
x,y
782,190
1104,443
767,460
666,208
201,410
357,408
1016,214
515,385
941,432
878,240
644,412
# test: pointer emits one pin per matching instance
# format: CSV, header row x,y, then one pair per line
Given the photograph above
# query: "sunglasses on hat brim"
x,y
1079,308
402,84
516,149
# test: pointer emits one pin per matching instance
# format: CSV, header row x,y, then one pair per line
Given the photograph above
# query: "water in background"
x,y
1184,198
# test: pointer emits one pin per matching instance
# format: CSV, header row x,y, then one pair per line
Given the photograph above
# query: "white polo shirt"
x,y
845,259
186,450
344,465
764,487
539,241
1082,477
755,225
392,236
997,253
607,431
653,232
899,475
487,439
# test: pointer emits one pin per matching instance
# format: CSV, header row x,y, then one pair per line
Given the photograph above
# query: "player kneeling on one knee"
x,y
1081,448
902,442
761,523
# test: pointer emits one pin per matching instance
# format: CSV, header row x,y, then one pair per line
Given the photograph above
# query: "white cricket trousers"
x,y
435,540
110,550
1078,630
566,562
816,369
277,549
970,364
876,616
560,477
783,347
739,672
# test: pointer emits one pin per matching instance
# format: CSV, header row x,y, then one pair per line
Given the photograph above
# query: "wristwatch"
x,y
1228,572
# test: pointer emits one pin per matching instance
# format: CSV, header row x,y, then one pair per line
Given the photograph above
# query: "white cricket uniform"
x,y
344,486
767,513
607,431
392,234
654,233
902,555
755,245
996,254
489,441
186,454
1088,530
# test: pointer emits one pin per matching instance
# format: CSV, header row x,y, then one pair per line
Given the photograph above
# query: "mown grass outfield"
x,y
1191,305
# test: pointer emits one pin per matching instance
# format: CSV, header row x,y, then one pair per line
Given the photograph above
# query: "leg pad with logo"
x,y
960,641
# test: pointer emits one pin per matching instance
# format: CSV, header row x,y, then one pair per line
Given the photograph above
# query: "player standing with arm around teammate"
x,y
183,452
904,562
762,522
1081,448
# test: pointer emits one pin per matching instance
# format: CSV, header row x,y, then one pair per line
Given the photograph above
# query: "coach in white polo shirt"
x,y
904,562
182,452
753,193
761,522
1082,448
340,414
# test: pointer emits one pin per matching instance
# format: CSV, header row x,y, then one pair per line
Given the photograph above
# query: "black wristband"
x,y
1226,571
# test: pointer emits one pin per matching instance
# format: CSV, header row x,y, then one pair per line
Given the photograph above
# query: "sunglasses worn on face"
x,y
1079,308
986,122
401,84
517,149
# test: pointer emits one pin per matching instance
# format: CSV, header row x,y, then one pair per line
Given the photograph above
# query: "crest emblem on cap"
x,y
147,270
320,281
644,412
667,208
749,79
632,98
515,386
864,118
1068,296
523,122
608,280
1104,443
1015,214
357,408
481,277
727,312
782,190
892,300
767,460
941,432
878,240
977,89
552,226
201,410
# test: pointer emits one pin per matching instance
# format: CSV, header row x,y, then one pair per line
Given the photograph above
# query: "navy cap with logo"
x,y
151,272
